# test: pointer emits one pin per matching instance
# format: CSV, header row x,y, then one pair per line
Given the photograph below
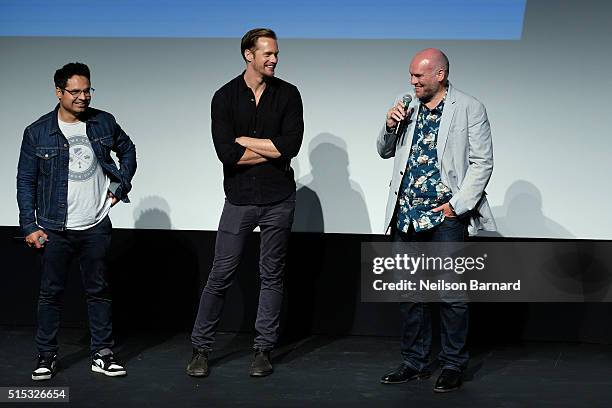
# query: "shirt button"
x,y
46,155
396,193
401,173
254,132
252,100
65,145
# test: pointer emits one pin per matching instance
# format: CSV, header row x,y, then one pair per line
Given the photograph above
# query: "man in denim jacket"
x,y
66,184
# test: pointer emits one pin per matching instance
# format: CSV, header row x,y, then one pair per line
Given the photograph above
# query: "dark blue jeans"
x,y
416,330
237,223
91,247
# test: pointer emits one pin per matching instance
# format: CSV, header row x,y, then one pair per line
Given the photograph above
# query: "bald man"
x,y
443,162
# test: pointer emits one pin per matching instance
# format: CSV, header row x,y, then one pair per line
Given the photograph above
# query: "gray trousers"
x,y
237,223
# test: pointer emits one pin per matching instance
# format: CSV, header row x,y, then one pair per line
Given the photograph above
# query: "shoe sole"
x,y
442,391
42,377
97,369
261,373
198,374
414,377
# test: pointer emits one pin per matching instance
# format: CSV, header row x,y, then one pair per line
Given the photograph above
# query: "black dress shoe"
x,y
403,374
449,380
261,365
198,366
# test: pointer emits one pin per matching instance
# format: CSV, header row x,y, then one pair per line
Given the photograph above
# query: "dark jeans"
x,y
91,247
416,330
237,223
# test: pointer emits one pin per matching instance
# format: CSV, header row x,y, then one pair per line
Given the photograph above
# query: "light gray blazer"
x,y
465,157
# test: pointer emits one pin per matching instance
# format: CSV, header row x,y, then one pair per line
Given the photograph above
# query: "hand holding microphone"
x,y
37,239
396,116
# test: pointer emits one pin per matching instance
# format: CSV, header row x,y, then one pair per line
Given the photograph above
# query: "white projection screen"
x,y
540,68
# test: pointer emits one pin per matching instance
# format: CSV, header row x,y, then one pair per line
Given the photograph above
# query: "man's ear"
x,y
248,55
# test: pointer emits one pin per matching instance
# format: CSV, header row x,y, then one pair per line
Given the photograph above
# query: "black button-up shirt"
x,y
278,117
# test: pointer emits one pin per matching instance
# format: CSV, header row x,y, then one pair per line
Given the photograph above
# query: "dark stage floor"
x,y
318,371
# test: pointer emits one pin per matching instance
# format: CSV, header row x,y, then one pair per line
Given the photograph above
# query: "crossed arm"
x,y
256,150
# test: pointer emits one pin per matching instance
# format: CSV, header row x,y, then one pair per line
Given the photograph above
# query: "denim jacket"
x,y
42,172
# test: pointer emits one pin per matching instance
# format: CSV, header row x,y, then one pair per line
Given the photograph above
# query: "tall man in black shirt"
x,y
257,127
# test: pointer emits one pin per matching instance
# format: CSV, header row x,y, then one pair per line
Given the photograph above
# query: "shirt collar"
x,y
88,116
243,87
242,83
439,107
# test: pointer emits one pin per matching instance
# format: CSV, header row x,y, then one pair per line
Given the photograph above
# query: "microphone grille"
x,y
406,99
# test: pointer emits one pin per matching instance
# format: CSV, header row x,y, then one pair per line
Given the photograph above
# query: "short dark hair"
x,y
250,38
66,72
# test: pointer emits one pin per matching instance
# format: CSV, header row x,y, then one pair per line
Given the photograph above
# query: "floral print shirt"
x,y
422,189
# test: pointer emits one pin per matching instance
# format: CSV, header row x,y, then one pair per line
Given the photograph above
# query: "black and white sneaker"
x,y
107,365
45,368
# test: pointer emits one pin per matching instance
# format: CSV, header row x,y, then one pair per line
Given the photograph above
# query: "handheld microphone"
x,y
41,240
399,128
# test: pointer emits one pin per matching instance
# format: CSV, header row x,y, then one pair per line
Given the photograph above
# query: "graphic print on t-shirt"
x,y
82,165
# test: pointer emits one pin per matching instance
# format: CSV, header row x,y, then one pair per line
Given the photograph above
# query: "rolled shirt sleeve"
x,y
224,139
289,141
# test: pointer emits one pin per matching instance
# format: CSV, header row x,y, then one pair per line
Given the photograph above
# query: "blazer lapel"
x,y
445,122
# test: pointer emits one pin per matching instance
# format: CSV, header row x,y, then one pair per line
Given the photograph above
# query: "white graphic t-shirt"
x,y
88,203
